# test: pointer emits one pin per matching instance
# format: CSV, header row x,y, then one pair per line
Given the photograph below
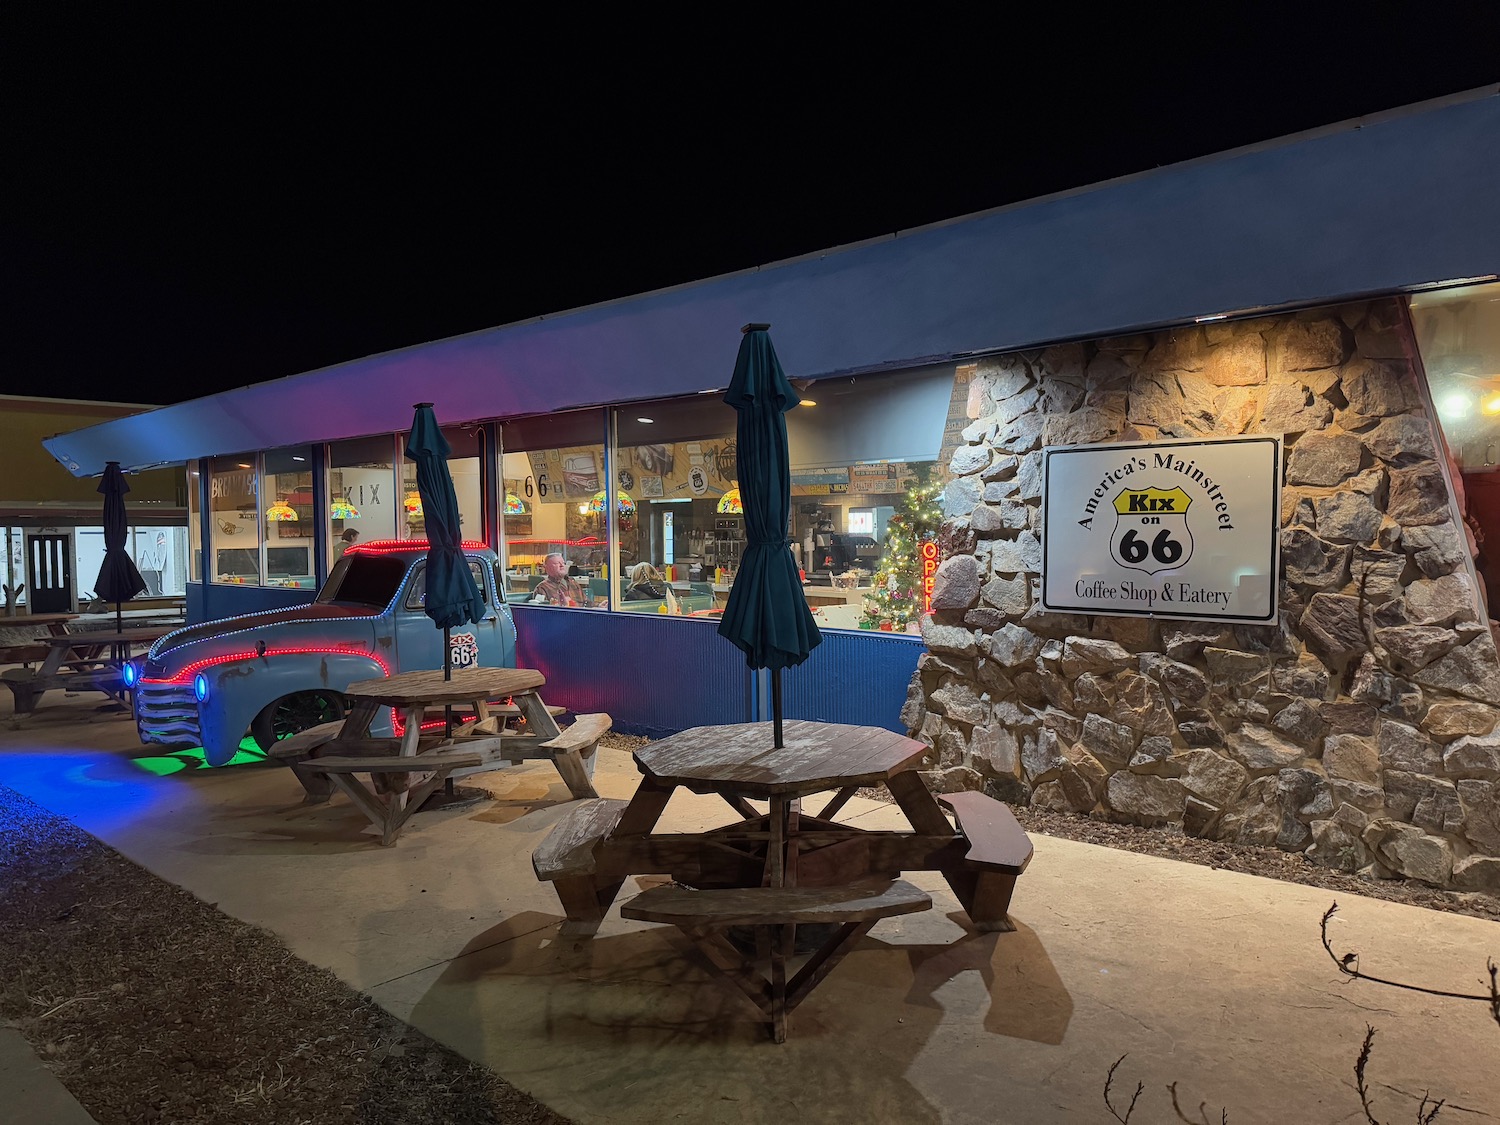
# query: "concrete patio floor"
x,y
1212,980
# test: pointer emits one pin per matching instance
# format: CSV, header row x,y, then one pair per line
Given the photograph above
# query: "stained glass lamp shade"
x,y
343,510
729,504
513,505
281,512
625,503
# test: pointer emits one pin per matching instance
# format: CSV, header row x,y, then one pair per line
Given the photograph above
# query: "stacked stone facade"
x,y
1360,729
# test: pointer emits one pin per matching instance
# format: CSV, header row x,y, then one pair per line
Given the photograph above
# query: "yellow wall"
x,y
28,473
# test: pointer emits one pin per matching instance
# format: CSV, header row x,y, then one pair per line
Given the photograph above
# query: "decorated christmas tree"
x,y
895,601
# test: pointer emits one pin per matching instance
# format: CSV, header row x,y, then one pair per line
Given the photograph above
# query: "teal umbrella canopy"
x,y
452,597
118,580
767,614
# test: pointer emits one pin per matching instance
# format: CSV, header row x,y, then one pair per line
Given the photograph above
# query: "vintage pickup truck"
x,y
278,672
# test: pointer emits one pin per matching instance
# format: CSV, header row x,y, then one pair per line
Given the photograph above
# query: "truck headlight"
x,y
200,687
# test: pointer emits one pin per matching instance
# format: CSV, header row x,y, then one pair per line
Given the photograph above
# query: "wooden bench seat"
x,y
760,906
446,760
999,851
702,915
303,743
565,858
569,848
997,841
574,752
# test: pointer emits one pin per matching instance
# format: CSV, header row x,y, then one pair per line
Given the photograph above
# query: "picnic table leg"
x,y
576,776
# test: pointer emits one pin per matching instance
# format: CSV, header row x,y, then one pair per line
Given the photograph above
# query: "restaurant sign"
x,y
1185,529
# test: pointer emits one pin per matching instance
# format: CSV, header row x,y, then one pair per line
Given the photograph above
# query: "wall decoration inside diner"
x,y
1358,728
234,519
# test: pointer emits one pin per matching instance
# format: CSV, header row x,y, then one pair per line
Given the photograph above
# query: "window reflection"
x,y
234,515
1458,335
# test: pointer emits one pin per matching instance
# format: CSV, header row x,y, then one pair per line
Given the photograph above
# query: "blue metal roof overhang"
x,y
1386,204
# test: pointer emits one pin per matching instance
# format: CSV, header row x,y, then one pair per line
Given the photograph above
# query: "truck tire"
x,y
294,713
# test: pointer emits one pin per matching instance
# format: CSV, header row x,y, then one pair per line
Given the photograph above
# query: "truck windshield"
x,y
361,579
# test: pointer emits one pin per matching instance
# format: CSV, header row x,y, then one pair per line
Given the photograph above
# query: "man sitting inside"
x,y
557,588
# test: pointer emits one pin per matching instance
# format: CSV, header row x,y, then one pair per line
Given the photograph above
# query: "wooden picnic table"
x,y
782,867
92,661
404,771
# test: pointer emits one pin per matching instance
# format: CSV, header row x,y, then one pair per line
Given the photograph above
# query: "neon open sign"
x,y
929,553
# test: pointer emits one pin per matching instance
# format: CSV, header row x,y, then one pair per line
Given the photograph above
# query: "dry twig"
x,y
1349,965
1108,1082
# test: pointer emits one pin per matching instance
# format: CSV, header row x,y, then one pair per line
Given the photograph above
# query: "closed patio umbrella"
x,y
118,580
767,614
452,597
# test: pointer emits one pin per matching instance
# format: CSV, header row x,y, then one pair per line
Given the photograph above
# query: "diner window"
x,y
1458,338
676,460
466,467
291,524
194,522
363,502
555,495
234,531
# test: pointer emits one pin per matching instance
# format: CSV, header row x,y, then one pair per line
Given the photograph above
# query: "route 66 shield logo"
x,y
1151,529
463,650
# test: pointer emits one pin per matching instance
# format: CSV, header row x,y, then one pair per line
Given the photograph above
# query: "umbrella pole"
x,y
776,705
447,707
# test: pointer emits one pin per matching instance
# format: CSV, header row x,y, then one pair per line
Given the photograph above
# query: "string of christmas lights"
x,y
895,601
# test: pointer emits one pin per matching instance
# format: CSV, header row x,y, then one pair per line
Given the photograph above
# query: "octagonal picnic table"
x,y
404,771
781,868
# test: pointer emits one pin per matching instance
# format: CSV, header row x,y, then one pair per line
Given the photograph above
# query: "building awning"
x,y
1373,206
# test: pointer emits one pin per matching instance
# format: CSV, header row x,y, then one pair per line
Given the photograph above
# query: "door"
x,y
419,643
49,572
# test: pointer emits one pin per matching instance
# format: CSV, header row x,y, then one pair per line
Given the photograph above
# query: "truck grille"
x,y
167,714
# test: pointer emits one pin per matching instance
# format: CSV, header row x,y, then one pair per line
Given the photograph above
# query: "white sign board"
x,y
1185,529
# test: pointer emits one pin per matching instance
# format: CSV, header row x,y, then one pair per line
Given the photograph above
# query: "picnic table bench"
x,y
404,771
92,661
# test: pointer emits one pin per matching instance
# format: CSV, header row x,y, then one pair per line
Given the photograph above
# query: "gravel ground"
x,y
152,1006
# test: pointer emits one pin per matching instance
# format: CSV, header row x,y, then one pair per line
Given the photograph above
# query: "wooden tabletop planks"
x,y
466,685
816,756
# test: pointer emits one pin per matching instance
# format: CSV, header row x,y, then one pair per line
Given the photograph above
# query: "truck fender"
x,y
239,689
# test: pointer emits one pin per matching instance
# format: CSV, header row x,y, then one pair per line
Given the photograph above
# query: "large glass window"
x,y
290,523
234,509
676,460
363,502
195,523
553,472
1458,335
466,466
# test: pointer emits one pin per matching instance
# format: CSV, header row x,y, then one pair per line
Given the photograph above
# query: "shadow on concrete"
x,y
596,1027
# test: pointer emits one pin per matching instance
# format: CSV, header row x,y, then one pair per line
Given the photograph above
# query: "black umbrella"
x,y
767,614
452,598
118,580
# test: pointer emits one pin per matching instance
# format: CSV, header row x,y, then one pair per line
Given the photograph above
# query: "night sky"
x,y
195,203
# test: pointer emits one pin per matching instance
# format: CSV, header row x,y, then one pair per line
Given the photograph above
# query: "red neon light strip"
x,y
185,676
387,546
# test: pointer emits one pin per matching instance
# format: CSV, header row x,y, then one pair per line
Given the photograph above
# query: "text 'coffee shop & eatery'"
x,y
1174,499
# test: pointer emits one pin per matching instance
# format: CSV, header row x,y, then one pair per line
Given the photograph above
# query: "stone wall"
x,y
1360,728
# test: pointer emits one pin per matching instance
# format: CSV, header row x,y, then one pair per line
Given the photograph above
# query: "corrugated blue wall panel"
x,y
653,675
212,602
857,678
